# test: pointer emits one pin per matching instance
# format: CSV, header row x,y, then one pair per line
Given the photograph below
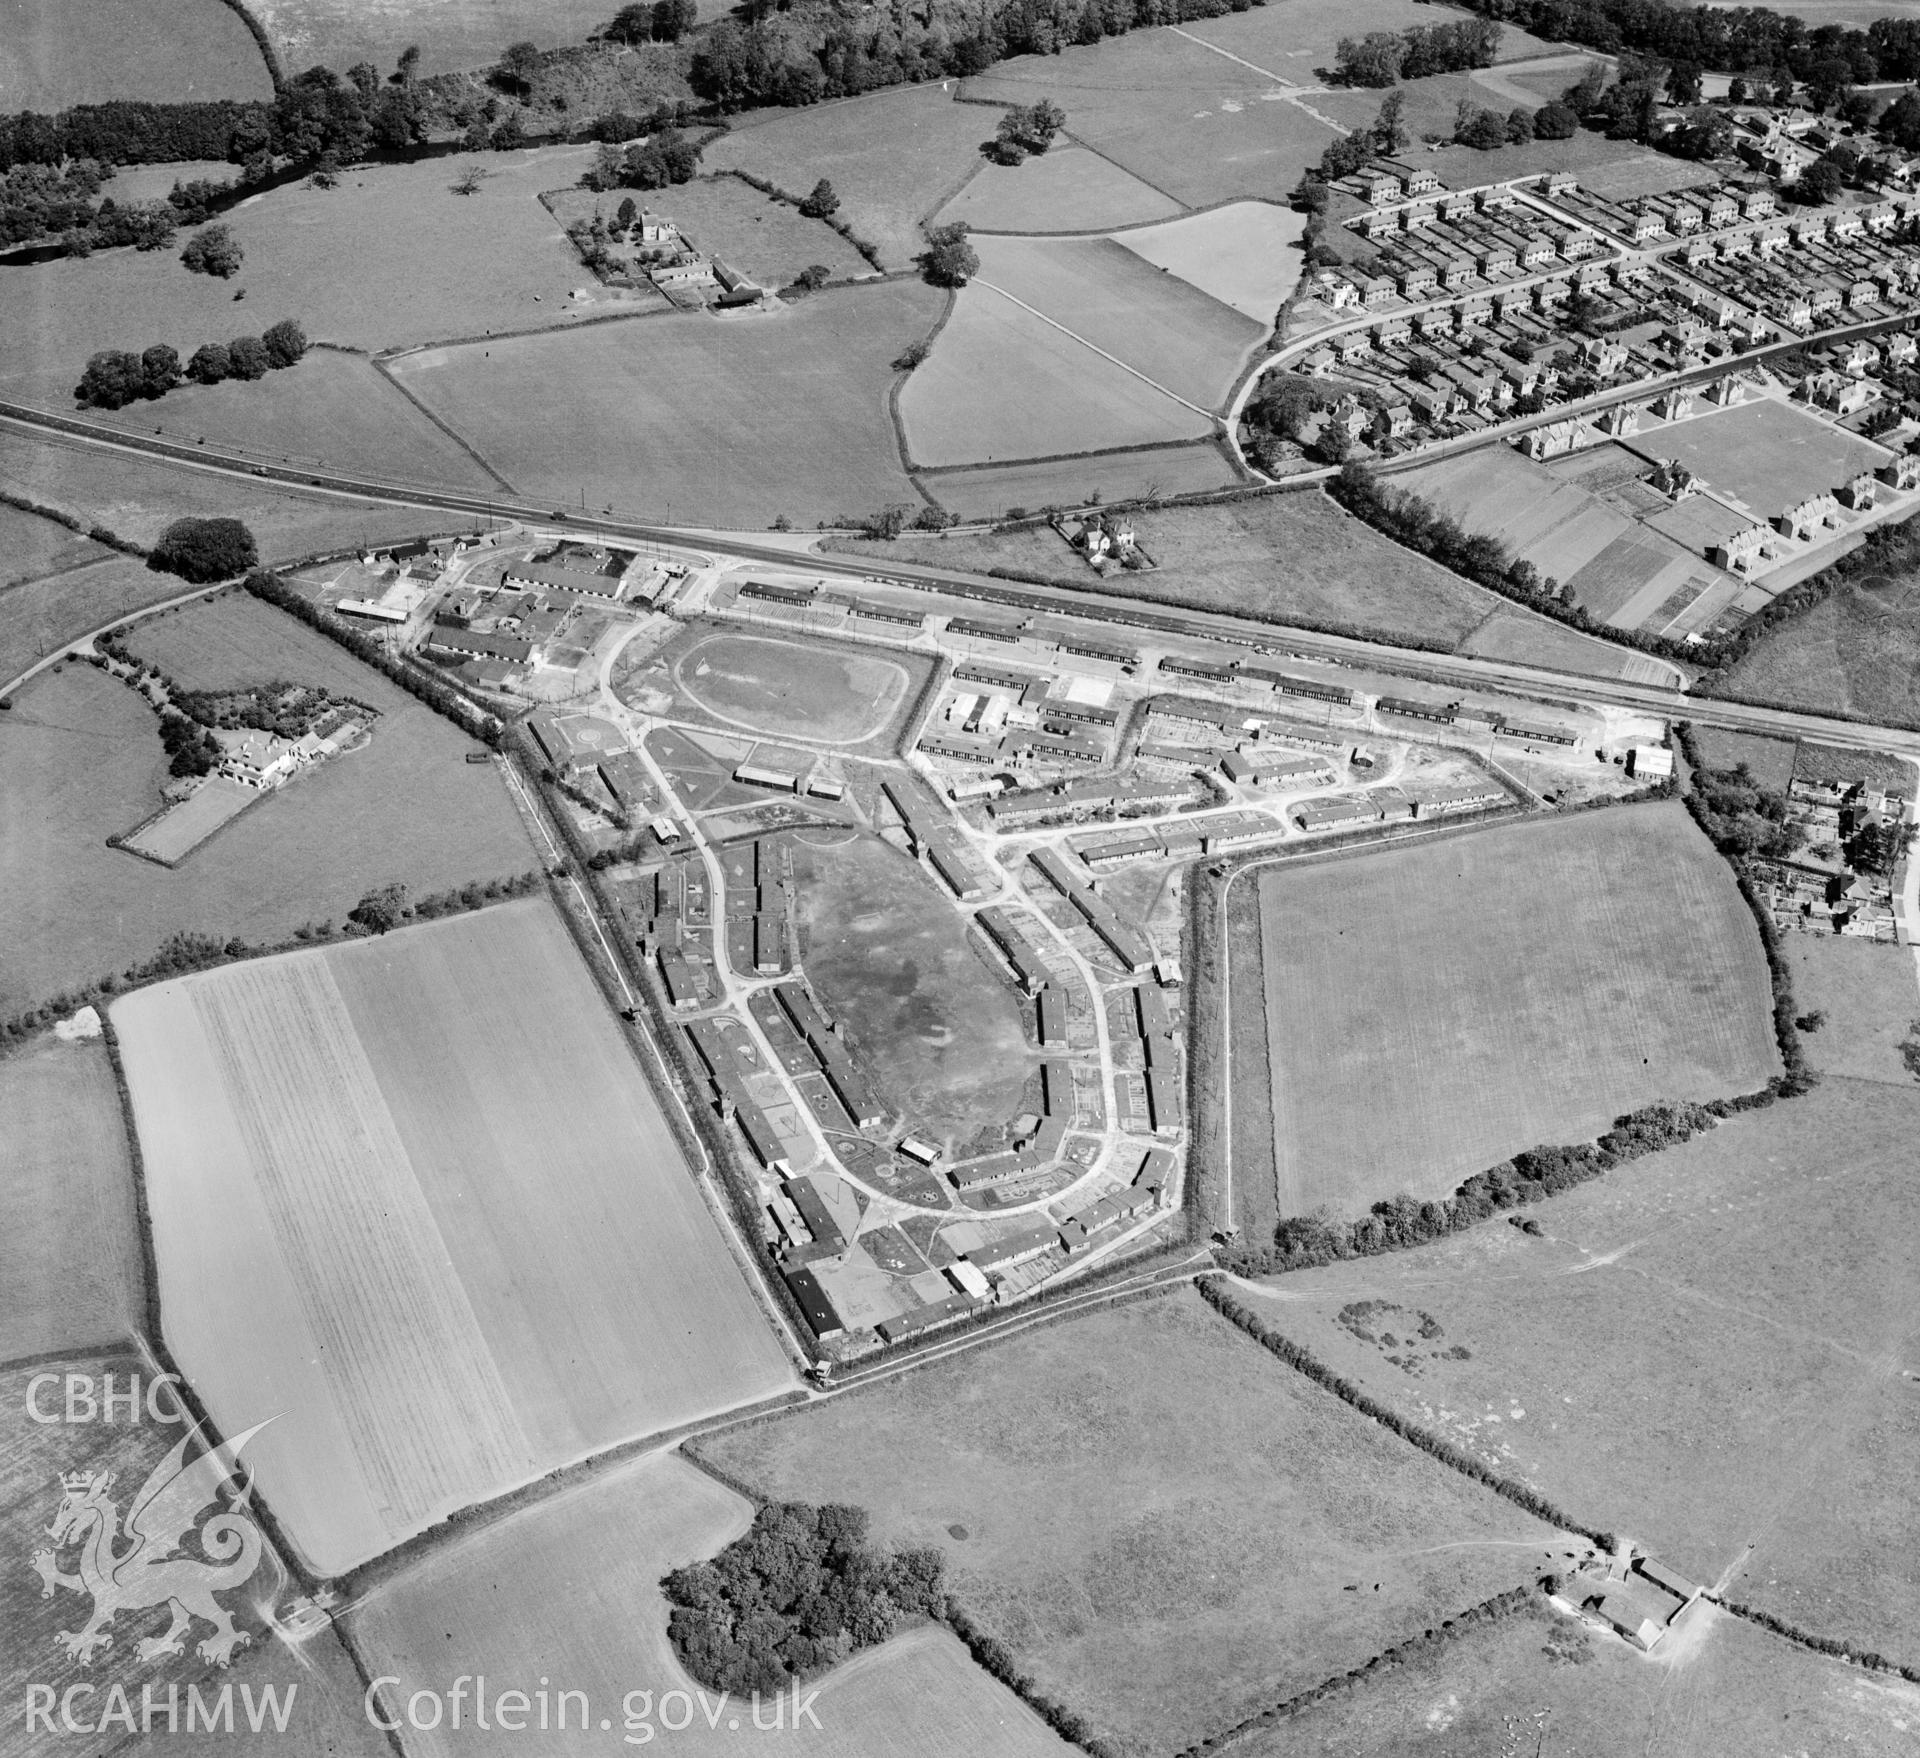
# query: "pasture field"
x,y
892,157
1762,455
69,1254
1159,1518
1594,1362
1434,1009
1856,653
54,54
791,689
40,615
1504,1692
417,1192
1193,123
1150,472
695,419
941,1033
765,238
1872,1003
1066,189
1004,383
1769,761
34,547
1535,640
1278,556
139,497
1244,255
233,640
452,34
81,760
1301,35
919,1692
315,1682
1161,326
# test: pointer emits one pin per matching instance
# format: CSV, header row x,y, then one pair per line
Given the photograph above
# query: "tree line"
x,y
1387,57
115,377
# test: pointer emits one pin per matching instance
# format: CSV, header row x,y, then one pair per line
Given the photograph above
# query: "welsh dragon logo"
x,y
141,1565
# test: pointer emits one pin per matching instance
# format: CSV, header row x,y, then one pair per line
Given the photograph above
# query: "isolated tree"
x,y
820,202
113,379
213,250
1389,127
204,550
209,364
285,342
1818,183
912,355
812,278
408,65
159,370
1556,121
517,66
469,180
950,261
247,357
626,213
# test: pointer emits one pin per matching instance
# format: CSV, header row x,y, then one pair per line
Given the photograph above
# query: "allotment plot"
x,y
415,1196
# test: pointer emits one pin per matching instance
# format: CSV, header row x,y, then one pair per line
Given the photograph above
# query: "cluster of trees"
x,y
191,749
1387,57
654,161
1488,130
116,377
665,21
1026,128
214,251
438,695
797,1594
1214,1290
949,259
204,550
44,202
1743,819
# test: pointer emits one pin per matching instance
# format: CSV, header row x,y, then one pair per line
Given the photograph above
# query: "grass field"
x,y
1243,255
1158,1517
1161,326
1503,1692
43,614
1769,761
892,157
789,689
1871,1000
452,34
81,761
1280,556
1764,456
34,547
1434,1009
54,54
942,1034
1533,640
1189,122
315,1683
1295,38
1858,653
426,1182
763,237
139,497
1004,383
1151,472
1707,1349
700,420
1067,189
919,1692
69,1255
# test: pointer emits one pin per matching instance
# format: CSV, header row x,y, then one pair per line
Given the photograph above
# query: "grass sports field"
x,y
1433,1009
1149,472
1281,556
1004,383
696,419
787,689
1159,1518
1763,455
314,1686
69,1256
919,1692
941,1032
1538,1683
54,54
1597,1356
892,157
417,1193
1161,326
80,759
1066,189
1857,653
1242,255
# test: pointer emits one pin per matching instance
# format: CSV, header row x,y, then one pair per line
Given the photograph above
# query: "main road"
x,y
1089,602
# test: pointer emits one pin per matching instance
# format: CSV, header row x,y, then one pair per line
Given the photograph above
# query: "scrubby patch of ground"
x,y
695,419
69,1256
1856,653
1161,1520
942,1033
1434,1009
